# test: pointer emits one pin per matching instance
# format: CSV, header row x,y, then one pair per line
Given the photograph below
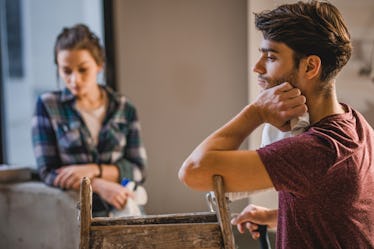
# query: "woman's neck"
x,y
92,100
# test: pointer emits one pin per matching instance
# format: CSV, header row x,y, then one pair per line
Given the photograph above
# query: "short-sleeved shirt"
x,y
325,180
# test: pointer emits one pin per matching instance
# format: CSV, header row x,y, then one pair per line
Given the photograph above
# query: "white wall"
x,y
184,65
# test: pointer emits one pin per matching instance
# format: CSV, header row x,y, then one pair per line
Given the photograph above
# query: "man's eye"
x,y
271,58
82,70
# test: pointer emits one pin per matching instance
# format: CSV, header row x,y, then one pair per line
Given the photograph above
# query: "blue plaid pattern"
x,y
60,136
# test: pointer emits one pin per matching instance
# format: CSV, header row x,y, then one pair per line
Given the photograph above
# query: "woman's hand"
x,y
69,177
252,216
112,192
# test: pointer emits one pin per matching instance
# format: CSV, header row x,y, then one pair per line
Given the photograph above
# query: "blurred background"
x,y
185,64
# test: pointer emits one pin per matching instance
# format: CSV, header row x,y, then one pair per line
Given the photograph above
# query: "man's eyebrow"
x,y
265,50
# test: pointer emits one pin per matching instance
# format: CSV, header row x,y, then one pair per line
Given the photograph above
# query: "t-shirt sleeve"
x,y
298,164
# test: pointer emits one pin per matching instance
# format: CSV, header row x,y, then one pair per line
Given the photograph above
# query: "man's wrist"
x,y
253,115
274,215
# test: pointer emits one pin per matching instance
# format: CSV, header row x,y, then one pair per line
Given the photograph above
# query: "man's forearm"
x,y
231,135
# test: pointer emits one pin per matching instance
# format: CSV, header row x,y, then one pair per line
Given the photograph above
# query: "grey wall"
x,y
184,65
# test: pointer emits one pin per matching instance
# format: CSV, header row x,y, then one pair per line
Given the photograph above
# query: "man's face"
x,y
275,65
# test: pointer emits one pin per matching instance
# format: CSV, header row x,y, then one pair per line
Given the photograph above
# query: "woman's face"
x,y
79,70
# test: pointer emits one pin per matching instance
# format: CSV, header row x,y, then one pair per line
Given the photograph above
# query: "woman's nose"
x,y
75,78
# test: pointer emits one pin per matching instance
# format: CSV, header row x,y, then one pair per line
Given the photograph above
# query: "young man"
x,y
324,176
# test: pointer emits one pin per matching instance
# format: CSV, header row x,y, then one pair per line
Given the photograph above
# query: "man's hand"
x,y
252,216
279,104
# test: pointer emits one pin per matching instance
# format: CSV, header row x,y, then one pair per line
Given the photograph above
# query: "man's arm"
x,y
218,154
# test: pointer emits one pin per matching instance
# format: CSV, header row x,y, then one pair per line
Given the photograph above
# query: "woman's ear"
x,y
312,66
100,68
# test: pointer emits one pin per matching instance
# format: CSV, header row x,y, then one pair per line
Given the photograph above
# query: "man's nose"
x,y
259,68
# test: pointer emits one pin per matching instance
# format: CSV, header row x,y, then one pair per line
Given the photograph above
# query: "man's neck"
x,y
323,105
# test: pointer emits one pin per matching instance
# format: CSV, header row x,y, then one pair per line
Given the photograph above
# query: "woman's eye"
x,y
66,71
82,70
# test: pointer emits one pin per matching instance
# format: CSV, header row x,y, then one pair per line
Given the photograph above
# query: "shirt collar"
x,y
67,96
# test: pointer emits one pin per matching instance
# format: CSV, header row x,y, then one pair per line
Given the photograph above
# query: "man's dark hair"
x,y
309,28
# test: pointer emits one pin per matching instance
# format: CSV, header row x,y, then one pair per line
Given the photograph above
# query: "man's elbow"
x,y
191,175
185,172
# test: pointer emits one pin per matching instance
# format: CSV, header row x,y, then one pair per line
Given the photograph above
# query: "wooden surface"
x,y
85,215
159,236
200,217
202,230
223,213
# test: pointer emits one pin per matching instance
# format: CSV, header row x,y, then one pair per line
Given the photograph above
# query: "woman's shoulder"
x,y
50,96
121,99
50,99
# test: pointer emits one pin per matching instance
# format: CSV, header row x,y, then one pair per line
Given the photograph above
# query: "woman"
x,y
86,129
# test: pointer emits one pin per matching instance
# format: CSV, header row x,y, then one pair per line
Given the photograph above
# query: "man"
x,y
324,176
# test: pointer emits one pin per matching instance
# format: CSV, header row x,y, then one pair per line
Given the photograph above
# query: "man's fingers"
x,y
292,94
240,228
241,218
284,87
253,229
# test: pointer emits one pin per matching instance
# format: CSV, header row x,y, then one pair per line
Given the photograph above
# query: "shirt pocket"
x,y
69,138
115,137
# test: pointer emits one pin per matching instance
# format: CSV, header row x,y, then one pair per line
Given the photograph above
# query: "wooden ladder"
x,y
203,230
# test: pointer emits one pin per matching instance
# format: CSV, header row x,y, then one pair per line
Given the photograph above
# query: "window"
x,y
28,32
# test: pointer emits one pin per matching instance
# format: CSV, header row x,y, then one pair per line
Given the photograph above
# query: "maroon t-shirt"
x,y
325,180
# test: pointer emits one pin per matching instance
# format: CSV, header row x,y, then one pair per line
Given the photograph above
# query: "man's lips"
x,y
261,83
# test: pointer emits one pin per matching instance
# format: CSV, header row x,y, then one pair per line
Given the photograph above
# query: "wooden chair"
x,y
210,230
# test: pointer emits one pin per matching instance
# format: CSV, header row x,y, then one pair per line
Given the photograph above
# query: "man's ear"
x,y
312,66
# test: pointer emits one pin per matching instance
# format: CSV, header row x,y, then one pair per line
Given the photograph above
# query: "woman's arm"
x,y
133,163
44,144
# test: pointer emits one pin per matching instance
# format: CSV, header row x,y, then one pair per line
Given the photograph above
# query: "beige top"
x,y
93,118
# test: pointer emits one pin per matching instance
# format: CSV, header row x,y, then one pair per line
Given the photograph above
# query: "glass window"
x,y
28,32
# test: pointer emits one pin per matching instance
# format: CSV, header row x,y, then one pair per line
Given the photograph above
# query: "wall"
x,y
353,88
184,65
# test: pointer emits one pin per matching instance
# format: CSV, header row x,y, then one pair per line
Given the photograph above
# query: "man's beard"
x,y
290,78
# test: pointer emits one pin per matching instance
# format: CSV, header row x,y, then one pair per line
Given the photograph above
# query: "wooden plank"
x,y
223,213
200,217
85,206
158,236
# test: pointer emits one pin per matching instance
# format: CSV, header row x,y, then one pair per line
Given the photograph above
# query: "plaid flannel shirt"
x,y
60,136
